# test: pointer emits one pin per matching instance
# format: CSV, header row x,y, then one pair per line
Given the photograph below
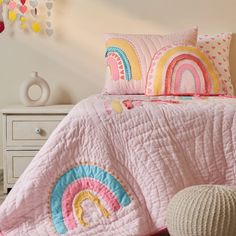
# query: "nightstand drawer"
x,y
30,130
16,163
25,130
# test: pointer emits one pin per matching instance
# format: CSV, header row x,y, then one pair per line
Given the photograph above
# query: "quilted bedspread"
x,y
112,165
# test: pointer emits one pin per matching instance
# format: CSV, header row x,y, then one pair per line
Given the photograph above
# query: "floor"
x,y
2,196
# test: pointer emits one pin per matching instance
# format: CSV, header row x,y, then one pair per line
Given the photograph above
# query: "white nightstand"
x,y
25,130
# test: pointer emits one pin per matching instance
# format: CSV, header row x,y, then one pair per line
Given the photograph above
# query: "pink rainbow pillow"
x,y
182,70
129,56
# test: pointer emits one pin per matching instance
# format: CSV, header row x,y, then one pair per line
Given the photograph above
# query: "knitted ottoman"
x,y
204,210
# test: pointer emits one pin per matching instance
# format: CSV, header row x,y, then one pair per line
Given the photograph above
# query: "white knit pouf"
x,y
204,210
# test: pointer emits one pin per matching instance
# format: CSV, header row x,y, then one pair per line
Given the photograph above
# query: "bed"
x,y
114,163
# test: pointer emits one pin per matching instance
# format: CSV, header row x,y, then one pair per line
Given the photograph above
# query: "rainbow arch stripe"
x,y
122,60
84,182
168,66
118,63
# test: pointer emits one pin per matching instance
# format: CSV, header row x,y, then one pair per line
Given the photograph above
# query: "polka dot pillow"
x,y
217,48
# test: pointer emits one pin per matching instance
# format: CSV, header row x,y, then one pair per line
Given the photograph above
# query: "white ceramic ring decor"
x,y
27,84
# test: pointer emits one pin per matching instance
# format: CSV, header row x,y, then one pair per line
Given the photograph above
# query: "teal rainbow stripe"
x,y
125,60
77,173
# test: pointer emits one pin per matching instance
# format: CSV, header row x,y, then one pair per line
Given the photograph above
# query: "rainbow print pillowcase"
x,y
209,65
129,57
203,68
182,70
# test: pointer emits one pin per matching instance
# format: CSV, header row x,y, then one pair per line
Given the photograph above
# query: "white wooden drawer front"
x,y
17,161
30,130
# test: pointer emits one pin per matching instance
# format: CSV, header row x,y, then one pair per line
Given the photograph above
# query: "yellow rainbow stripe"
x,y
164,59
79,212
128,49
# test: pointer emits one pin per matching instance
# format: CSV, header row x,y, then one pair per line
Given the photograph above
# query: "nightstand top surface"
x,y
54,109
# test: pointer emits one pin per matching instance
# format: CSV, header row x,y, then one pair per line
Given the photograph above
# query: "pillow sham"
x,y
182,70
217,47
128,58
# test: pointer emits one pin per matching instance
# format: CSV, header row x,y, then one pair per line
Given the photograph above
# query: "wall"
x,y
72,61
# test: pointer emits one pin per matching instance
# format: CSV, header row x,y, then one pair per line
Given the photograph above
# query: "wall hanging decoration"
x,y
2,26
27,84
28,15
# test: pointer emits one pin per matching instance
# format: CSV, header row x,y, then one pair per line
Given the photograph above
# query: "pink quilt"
x,y
112,165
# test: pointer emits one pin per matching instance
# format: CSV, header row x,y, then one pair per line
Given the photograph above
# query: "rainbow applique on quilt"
x,y
113,175
182,70
85,182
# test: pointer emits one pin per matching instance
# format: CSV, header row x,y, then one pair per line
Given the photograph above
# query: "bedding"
x,y
113,164
129,56
217,47
182,70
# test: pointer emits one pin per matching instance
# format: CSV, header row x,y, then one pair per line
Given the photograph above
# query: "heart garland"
x,y
49,6
12,14
35,26
23,9
2,25
12,5
26,13
34,5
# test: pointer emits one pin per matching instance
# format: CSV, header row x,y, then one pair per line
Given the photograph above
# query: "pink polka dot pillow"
x,y
217,47
129,56
182,70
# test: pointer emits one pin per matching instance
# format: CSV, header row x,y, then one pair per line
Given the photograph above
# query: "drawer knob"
x,y
38,130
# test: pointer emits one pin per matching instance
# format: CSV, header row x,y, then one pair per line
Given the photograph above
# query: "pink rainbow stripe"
x,y
85,184
114,68
179,74
172,65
